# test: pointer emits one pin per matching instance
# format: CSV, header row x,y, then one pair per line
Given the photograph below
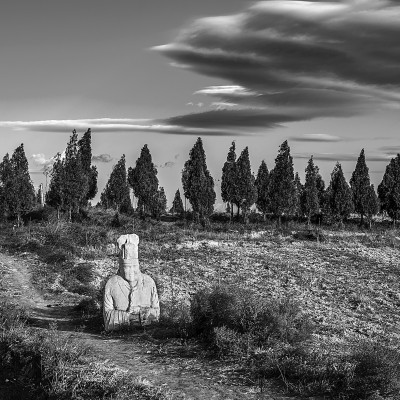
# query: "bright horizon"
x,y
323,76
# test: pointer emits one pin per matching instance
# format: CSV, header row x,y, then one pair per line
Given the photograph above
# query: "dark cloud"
x,y
295,61
102,158
237,119
283,61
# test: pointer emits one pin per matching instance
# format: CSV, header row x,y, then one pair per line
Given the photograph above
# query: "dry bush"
x,y
235,321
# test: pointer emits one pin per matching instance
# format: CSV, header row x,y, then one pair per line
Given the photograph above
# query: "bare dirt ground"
x,y
164,364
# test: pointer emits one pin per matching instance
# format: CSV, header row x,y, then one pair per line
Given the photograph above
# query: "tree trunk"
x,y
309,220
362,220
70,214
18,219
279,220
245,216
231,211
238,211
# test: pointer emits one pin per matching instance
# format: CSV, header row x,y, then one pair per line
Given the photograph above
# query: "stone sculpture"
x,y
130,297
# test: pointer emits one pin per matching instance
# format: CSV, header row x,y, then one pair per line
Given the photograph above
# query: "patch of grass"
x,y
45,365
369,371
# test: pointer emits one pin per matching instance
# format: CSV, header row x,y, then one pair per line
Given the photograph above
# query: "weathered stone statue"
x,y
130,297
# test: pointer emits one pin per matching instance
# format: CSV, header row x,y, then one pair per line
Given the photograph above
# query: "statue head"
x,y
128,257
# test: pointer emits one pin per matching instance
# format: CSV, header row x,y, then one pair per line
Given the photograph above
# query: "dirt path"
x,y
165,364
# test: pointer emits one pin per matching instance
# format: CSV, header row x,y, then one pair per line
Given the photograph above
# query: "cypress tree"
x,y
75,185
311,197
159,204
143,179
389,189
177,204
23,192
371,204
55,195
198,185
360,186
340,195
229,180
85,151
262,182
281,190
246,188
40,196
298,193
322,197
6,179
116,193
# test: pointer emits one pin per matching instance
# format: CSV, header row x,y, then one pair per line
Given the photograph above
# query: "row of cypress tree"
x,y
17,194
278,192
144,182
73,178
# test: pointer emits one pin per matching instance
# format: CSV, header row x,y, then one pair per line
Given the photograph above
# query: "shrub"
x,y
370,371
376,371
229,342
226,314
39,214
175,321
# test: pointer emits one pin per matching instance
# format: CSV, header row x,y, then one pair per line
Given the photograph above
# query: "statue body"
x,y
130,297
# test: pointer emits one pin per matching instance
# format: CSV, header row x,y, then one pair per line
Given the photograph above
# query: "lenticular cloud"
x,y
297,60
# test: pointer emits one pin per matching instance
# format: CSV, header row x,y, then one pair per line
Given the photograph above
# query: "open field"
x,y
348,284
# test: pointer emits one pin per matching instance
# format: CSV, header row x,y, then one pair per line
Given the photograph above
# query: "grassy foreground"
x,y
322,317
39,365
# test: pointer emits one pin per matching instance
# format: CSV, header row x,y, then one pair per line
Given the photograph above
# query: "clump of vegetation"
x,y
235,321
272,338
38,365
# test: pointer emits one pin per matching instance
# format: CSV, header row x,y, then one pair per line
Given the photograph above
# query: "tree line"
x,y
277,192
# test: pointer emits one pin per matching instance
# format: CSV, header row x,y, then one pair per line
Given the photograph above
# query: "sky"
x,y
322,75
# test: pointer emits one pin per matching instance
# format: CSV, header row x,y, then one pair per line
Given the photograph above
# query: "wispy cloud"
x,y
200,104
102,158
315,137
391,150
167,164
341,157
295,60
114,125
222,105
41,160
